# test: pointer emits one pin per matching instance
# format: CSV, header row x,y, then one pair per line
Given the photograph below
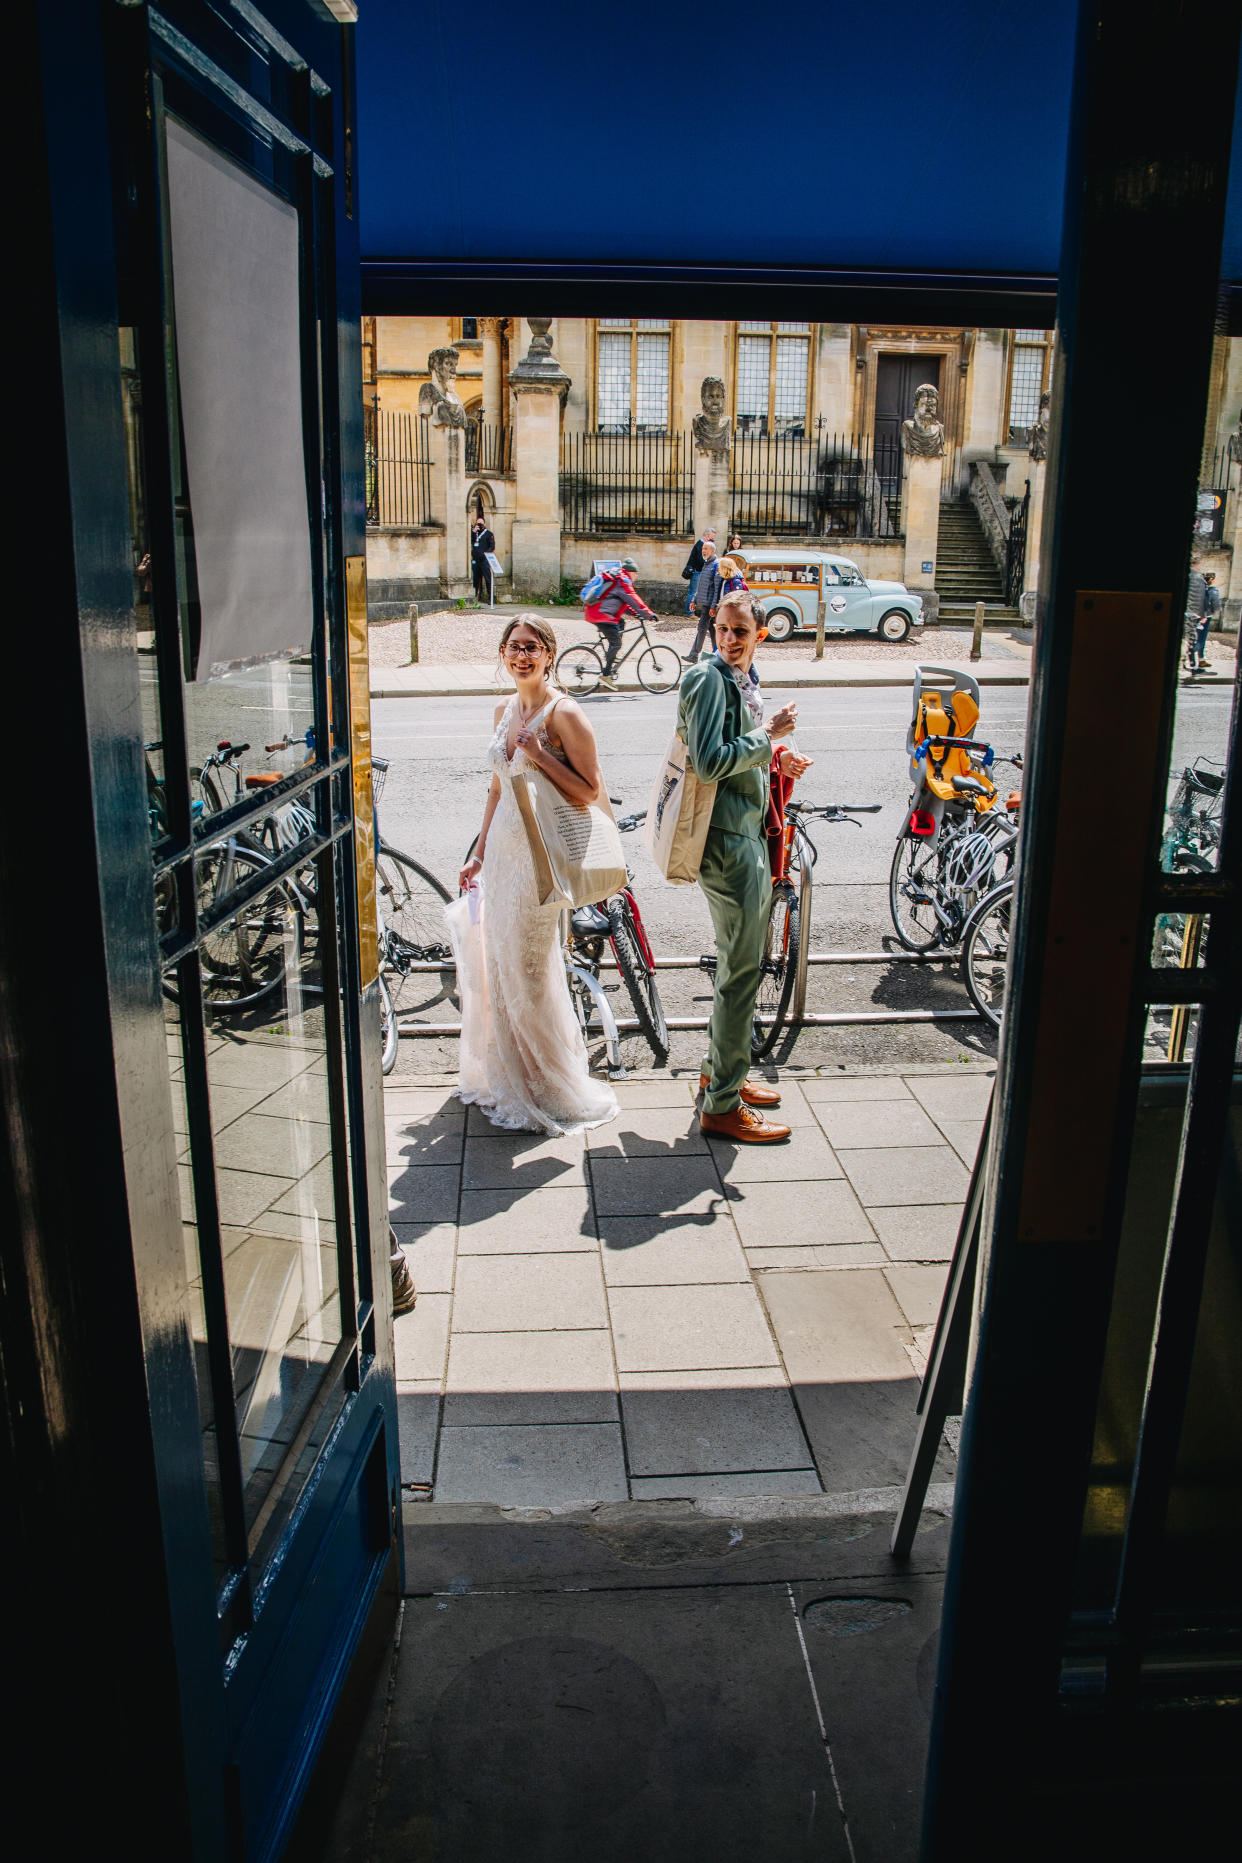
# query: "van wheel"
x,y
781,624
895,625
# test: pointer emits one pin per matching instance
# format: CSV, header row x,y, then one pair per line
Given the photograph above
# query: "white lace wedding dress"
x,y
523,1059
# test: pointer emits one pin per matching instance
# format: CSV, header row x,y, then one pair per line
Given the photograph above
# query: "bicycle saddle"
x,y
1206,781
970,786
262,779
589,922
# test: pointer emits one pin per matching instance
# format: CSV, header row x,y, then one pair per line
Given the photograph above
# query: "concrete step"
x,y
962,614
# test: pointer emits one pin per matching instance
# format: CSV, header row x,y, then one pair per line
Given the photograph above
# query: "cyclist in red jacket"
x,y
618,598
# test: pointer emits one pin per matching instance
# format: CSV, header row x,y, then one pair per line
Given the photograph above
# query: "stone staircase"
x,y
965,570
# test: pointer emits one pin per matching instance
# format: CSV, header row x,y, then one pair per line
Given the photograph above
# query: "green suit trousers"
x,y
738,883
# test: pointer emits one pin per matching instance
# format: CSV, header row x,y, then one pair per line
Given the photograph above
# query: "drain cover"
x,y
848,1617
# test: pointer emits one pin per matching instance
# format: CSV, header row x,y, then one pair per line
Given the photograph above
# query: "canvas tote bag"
x,y
678,817
576,851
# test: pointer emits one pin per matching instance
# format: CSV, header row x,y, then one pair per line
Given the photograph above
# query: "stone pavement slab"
x,y
421,1339
425,1193
918,1232
871,1124
778,1481
507,1163
656,1187
835,1088
418,1425
544,1377
928,1173
963,1135
918,1291
531,1467
950,1097
649,1132
689,1328
805,1154
678,1252
776,1215
426,1141
693,1429
528,1293
430,1251
503,1222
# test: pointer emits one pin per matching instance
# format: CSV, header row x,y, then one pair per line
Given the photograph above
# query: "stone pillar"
x,y
713,445
1036,467
448,508
538,387
489,330
922,443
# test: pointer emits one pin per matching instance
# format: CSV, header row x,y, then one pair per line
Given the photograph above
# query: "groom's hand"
x,y
781,723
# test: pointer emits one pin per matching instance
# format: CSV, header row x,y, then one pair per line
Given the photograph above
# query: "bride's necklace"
x,y
523,717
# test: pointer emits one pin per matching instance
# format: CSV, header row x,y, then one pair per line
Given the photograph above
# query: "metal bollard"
x,y
976,639
413,633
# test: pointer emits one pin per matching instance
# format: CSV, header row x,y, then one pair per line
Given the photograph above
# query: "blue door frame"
x,y
214,1635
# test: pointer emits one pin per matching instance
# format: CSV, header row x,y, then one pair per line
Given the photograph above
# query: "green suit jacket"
x,y
709,722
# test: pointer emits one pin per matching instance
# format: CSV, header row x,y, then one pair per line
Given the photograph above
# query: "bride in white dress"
x,y
523,1058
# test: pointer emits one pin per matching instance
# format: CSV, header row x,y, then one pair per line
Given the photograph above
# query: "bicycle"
x,y
413,939
939,875
781,998
580,668
619,921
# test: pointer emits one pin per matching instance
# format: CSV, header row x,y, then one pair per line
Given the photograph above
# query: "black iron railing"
x,y
398,469
624,482
1015,547
818,485
488,449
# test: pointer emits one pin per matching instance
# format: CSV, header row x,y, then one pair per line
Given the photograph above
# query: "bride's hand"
x,y
469,873
527,741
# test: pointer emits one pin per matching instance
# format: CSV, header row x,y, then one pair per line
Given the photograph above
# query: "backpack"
x,y
592,591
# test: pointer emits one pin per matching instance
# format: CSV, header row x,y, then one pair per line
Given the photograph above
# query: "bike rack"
x,y
608,1022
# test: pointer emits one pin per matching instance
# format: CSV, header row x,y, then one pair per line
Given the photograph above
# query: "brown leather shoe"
x,y
743,1126
751,1093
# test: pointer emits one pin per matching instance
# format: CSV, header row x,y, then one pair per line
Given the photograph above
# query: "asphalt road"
x,y
434,797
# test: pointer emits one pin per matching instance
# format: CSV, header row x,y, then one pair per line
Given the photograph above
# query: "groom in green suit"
x,y
720,721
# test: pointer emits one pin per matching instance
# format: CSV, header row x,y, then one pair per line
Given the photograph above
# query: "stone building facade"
x,y
842,389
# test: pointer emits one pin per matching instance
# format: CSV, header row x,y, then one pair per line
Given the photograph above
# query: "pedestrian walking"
x,y
1212,605
619,598
706,600
694,563
720,721
1196,603
481,543
732,581
735,545
523,1059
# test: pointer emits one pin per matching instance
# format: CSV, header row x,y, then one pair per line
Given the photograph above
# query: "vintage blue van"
x,y
792,583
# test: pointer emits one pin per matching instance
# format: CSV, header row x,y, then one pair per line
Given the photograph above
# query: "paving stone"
x,y
638,1254
297,1227
423,1193
244,1195
279,1147
313,1194
522,1161
303,1098
649,1131
953,1096
704,1487
874,1123
785,1215
506,1222
706,1430
687,1328
419,1104
678,1093
834,1088
805,1155
257,1064
528,1293
660,1187
841,1340
963,1135
520,1378
918,1232
429,1252
813,1255
934,1174
795,1109
531,1466
230,1103
420,1340
418,1421
438,1141
918,1292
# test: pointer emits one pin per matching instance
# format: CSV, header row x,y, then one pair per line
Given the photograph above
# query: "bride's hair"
x,y
537,625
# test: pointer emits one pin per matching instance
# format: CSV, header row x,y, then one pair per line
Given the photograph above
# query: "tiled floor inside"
x,y
642,1312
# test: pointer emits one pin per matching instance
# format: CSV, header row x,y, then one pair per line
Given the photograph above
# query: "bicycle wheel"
x,y
780,966
638,976
985,951
412,903
580,669
912,886
801,862
659,669
248,957
388,1028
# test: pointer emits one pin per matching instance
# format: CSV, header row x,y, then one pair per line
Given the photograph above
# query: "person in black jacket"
x,y
694,563
481,542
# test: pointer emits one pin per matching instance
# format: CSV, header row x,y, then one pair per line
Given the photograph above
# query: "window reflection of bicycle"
x,y
580,668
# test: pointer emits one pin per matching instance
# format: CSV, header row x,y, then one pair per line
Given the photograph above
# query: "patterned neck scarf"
x,y
752,698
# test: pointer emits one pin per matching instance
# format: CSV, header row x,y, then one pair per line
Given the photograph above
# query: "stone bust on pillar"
x,y
713,430
922,437
1037,436
439,398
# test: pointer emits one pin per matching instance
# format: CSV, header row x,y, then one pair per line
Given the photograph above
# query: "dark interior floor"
x,y
657,1679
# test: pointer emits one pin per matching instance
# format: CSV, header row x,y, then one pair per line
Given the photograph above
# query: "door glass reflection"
x,y
267,1069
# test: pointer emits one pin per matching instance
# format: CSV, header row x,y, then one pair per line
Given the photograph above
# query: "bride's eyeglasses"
x,y
520,646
